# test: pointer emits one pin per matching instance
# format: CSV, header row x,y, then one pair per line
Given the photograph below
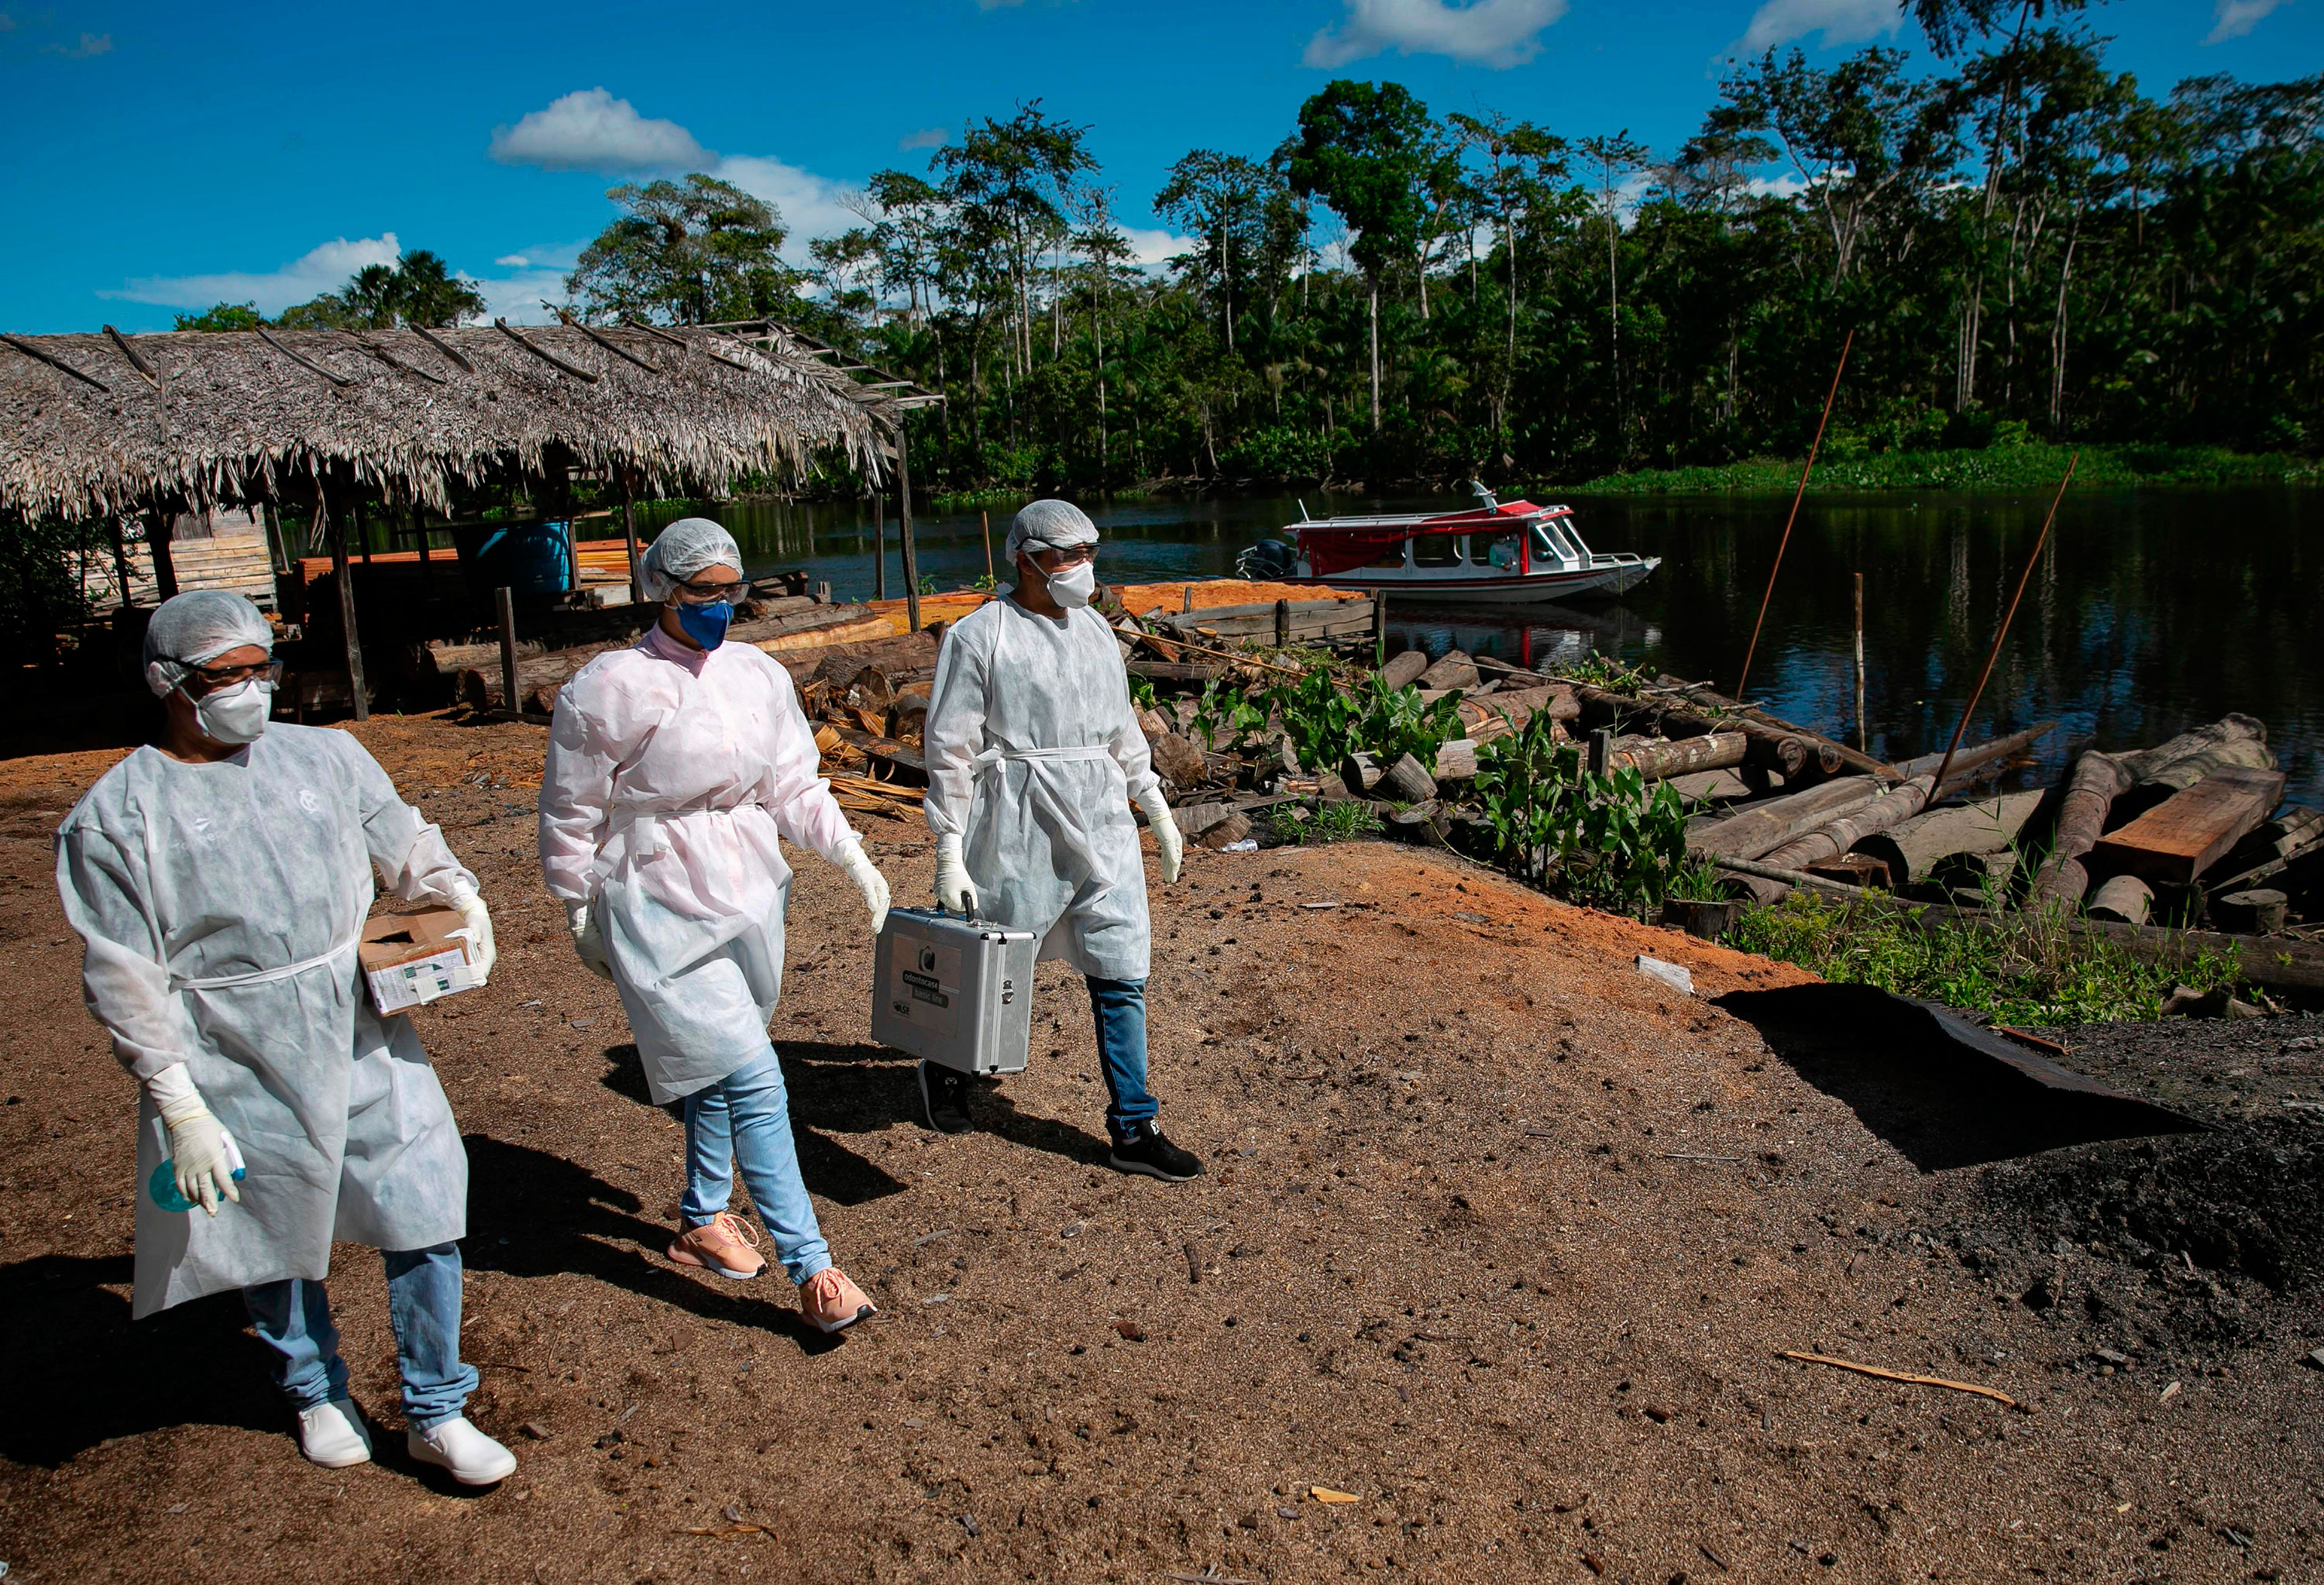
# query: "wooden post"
x,y
363,530
630,535
879,544
904,528
427,576
986,519
1283,624
1862,746
506,604
159,526
343,574
1601,751
120,563
1379,628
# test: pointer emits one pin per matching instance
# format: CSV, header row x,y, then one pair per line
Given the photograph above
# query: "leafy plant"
x,y
1607,841
1224,717
1342,821
1326,722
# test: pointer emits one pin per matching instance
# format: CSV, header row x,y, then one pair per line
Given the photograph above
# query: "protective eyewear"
x,y
704,593
1051,559
213,678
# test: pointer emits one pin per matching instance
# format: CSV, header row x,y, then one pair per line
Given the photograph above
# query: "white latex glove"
x,y
476,924
199,1152
588,940
869,882
1169,840
955,893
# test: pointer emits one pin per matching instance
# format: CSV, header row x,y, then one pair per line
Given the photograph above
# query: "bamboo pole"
x,y
1797,496
986,519
904,529
2008,616
879,544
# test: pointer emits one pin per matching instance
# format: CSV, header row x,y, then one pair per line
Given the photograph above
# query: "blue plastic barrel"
x,y
529,559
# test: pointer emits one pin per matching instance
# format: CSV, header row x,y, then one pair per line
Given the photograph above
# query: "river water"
x,y
2149,611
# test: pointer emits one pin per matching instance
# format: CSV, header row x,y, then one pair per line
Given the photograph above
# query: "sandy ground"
x,y
1501,1238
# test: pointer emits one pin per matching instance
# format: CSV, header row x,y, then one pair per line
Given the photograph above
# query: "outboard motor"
x,y
1267,560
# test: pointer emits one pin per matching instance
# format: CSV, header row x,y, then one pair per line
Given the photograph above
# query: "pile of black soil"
x,y
2175,1246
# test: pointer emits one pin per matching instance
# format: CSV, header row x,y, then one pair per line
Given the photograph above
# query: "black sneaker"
x,y
1146,1151
944,1099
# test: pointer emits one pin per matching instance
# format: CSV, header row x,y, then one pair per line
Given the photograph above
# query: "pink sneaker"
x,y
830,1302
724,1244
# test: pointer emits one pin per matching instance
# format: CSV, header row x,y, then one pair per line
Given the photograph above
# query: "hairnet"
x,y
197,626
1049,525
681,551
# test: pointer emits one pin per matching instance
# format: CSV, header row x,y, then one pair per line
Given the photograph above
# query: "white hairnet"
x,y
681,551
1049,525
197,626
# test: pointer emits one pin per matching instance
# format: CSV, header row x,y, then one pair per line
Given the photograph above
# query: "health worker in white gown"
x,y
1035,759
674,767
220,880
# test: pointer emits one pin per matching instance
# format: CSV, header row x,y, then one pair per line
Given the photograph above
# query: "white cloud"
x,y
812,205
1841,22
2238,17
927,137
324,269
591,129
1151,247
1487,33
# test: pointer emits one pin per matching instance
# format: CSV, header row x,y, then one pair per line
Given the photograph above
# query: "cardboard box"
x,y
410,960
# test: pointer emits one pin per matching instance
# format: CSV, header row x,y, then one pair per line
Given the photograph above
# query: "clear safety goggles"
x,y
207,679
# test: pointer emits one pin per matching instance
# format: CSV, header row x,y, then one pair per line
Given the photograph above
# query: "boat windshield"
x,y
1549,542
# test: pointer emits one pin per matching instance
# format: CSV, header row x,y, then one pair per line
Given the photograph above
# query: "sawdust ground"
x,y
1499,1237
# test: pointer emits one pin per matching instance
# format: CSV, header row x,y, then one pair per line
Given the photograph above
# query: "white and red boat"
x,y
1511,553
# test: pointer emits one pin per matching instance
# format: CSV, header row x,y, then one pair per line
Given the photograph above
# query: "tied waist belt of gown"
x,y
1061,817
639,830
264,976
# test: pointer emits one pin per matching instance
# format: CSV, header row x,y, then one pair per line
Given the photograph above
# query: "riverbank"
x,y
1501,1239
1996,468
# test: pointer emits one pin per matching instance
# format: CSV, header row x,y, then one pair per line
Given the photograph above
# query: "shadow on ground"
x,y
1943,1093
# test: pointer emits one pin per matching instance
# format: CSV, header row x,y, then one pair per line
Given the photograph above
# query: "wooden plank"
x,y
2179,838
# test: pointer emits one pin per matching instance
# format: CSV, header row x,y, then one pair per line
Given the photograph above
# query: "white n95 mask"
x,y
1075,586
235,714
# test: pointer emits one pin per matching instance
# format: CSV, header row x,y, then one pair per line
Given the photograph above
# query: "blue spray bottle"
x,y
163,1185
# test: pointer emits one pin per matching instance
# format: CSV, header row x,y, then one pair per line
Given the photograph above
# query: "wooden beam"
x,y
655,331
904,522
312,367
2182,836
135,361
42,353
446,347
613,346
392,362
344,576
544,354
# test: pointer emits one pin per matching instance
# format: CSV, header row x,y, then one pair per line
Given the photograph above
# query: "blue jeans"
x,y
293,1318
747,1116
1120,1009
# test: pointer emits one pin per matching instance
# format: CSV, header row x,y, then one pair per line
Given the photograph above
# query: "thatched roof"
x,y
109,425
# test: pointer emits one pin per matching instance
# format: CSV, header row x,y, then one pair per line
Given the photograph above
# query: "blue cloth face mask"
x,y
705,624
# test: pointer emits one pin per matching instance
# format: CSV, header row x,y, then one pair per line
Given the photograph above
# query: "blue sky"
x,y
166,156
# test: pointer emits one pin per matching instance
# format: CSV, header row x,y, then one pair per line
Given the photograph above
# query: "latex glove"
x,y
955,893
199,1152
869,882
1169,840
476,924
588,940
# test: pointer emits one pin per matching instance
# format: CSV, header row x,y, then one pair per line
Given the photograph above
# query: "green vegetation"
x,y
2020,968
1608,841
1338,822
418,289
2022,466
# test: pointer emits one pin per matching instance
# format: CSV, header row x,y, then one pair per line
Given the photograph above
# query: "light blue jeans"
x,y
747,1116
293,1318
1120,1009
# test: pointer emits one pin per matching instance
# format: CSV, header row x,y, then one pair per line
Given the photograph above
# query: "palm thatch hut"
x,y
110,426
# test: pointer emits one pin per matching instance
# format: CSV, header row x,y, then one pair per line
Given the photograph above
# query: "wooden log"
x,y
1854,869
1659,761
1507,711
2259,911
2278,846
1407,781
1177,761
1232,829
1174,671
2179,838
1784,753
1913,850
1983,757
2125,899
1404,670
1453,669
1830,753
1455,760
902,762
2097,779
1361,773
1761,828
1194,819
1829,841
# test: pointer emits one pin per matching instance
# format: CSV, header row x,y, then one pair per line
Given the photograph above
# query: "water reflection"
x,y
2150,612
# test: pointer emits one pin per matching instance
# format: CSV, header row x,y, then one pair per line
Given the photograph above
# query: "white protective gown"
x,y
660,805
1033,760
220,905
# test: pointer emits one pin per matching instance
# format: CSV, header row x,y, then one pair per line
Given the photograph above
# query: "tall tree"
x,y
688,252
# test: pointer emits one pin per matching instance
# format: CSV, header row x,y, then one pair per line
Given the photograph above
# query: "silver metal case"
x,y
955,991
